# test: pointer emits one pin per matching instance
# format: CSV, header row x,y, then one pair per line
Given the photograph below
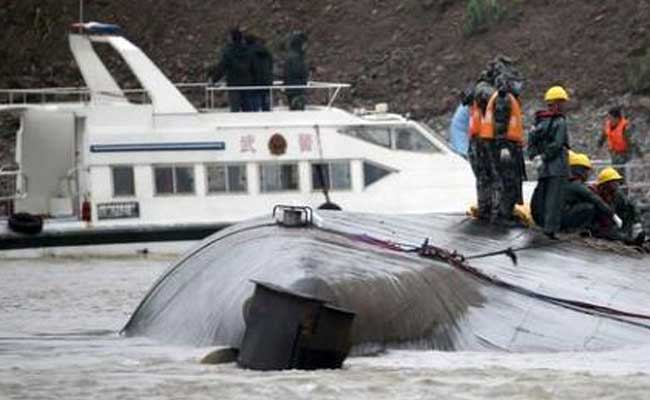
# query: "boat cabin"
x,y
104,155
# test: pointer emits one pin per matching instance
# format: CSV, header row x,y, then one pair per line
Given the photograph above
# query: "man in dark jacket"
x,y
548,145
296,71
262,72
582,207
236,65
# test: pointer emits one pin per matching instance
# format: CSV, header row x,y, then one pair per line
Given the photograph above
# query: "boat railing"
x,y
17,97
13,183
208,97
43,95
636,174
202,95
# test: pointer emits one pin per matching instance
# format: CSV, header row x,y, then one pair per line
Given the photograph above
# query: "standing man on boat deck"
x,y
236,65
548,147
262,72
296,71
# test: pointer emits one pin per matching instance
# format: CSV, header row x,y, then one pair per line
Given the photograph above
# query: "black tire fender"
x,y
26,223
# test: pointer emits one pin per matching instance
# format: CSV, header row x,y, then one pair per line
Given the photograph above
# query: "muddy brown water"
x,y
59,317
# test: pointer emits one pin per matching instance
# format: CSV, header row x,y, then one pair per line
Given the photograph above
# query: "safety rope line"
x,y
613,246
459,261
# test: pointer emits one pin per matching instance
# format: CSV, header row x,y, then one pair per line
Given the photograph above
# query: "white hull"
x,y
108,162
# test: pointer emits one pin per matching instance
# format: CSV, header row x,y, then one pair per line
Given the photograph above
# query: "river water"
x,y
59,318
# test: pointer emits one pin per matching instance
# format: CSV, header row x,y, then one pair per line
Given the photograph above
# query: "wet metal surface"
x,y
403,300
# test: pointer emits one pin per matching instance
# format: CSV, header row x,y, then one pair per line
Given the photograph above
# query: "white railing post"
x,y
271,106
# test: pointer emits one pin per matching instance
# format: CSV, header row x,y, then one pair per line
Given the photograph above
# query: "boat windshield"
x,y
400,137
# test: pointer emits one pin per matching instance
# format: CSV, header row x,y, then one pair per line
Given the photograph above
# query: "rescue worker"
x,y
481,153
618,133
548,145
296,71
236,65
581,205
262,72
502,125
630,229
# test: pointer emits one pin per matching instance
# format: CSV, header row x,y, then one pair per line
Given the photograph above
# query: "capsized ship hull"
x,y
560,296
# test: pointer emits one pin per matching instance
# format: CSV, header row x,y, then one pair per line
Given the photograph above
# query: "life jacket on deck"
x,y
616,135
475,120
515,131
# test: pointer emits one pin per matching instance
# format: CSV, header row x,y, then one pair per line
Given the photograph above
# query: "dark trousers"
x,y
235,100
265,100
296,99
510,176
481,158
547,203
241,100
578,216
260,100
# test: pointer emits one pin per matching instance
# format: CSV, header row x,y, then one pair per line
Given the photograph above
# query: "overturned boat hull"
x,y
559,296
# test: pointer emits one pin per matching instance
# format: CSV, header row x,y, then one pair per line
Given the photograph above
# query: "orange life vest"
x,y
616,135
515,124
475,120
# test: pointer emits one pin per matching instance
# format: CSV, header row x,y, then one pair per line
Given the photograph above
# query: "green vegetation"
x,y
480,15
638,74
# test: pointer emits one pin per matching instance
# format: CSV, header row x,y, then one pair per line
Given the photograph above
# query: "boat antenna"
x,y
328,205
81,15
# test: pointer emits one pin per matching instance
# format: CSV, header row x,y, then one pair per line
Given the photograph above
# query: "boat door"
x,y
47,159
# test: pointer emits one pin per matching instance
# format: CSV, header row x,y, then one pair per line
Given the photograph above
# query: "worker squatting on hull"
x,y
628,227
582,206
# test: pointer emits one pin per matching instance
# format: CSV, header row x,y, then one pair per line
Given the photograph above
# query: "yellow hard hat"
x,y
556,93
607,175
579,159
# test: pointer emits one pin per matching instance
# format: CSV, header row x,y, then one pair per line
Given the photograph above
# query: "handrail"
x,y
277,86
13,184
84,94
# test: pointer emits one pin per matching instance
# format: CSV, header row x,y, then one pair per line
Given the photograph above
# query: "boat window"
x,y
173,179
379,135
123,181
334,175
408,138
373,172
226,178
278,177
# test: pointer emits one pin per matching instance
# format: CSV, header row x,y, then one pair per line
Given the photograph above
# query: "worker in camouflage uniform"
x,y
481,153
296,71
548,147
503,126
582,207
